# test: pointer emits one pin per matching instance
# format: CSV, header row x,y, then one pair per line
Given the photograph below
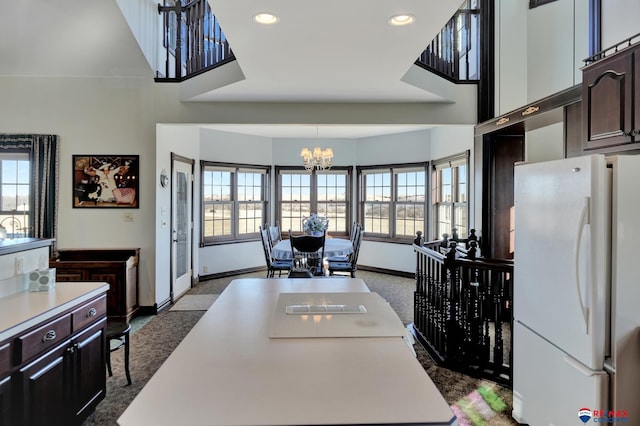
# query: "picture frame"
x,y
106,181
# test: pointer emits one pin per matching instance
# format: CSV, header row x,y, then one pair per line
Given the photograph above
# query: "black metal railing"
x,y
455,52
612,49
463,310
193,40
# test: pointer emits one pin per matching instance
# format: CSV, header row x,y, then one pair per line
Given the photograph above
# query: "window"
x,y
234,201
393,200
326,193
450,196
15,186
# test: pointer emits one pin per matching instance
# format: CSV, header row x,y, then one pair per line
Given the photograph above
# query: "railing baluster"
x,y
463,310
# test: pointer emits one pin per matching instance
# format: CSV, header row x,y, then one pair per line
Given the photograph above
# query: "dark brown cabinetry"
x,y
118,267
59,376
5,384
611,103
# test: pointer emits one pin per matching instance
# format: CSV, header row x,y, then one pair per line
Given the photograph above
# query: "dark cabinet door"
x,y
5,401
45,389
607,98
89,375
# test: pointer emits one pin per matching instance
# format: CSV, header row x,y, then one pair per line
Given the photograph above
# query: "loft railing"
x,y
455,52
193,40
463,310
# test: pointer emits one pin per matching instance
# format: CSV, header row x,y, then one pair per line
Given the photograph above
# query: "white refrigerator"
x,y
576,297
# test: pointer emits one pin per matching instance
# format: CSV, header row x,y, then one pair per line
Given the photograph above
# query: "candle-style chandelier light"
x,y
319,159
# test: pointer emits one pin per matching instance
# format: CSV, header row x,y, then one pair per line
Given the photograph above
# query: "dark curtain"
x,y
44,153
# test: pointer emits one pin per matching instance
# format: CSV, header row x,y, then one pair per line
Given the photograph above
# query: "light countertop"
x,y
228,371
25,309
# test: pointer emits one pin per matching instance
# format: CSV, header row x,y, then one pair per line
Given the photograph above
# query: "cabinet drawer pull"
x,y
49,335
92,312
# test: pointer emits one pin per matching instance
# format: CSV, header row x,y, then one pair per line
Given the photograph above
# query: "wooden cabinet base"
x,y
118,267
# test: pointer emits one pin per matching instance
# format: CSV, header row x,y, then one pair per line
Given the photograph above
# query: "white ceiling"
x,y
328,51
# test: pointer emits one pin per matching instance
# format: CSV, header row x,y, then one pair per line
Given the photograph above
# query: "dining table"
x,y
332,247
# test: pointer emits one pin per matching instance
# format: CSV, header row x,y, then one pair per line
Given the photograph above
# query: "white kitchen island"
x,y
228,371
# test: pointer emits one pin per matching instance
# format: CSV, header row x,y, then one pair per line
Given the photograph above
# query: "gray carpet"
x,y
154,338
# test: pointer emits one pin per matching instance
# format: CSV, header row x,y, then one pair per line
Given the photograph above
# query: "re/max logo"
x,y
609,413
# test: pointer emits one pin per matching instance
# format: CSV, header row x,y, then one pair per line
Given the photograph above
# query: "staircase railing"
x,y
463,310
193,40
455,52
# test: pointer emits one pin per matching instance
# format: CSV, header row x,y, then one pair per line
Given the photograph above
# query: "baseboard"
x,y
403,274
147,310
165,304
231,273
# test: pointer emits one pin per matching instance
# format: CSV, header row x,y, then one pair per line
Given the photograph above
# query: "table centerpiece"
x,y
314,224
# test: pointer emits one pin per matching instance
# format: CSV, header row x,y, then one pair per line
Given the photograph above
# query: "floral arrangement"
x,y
315,223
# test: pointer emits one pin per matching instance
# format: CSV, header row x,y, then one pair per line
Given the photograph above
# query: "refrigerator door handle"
x,y
584,370
584,220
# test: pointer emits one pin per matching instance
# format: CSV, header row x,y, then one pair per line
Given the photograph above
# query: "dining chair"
x,y
273,265
356,228
307,252
275,235
349,265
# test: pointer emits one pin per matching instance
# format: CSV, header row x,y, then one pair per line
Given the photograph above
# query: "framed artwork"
x,y
107,181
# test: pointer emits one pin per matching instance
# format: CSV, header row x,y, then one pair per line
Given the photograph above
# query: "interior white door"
x,y
561,254
181,222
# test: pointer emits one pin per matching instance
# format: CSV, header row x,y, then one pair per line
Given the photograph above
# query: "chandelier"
x,y
319,159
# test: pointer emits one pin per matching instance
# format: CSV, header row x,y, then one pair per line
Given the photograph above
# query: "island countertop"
x,y
21,244
229,370
22,310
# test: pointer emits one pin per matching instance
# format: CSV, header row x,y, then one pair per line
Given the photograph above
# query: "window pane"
x,y
337,215
444,220
331,200
15,186
250,217
376,218
409,219
292,213
462,184
446,183
234,201
411,187
461,220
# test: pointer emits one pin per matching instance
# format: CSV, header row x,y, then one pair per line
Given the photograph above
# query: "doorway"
x,y
501,150
181,225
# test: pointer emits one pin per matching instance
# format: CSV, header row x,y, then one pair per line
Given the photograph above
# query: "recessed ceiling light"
x,y
265,18
402,19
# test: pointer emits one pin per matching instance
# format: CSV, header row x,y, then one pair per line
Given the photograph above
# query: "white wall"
x,y
557,41
511,57
619,21
539,51
93,116
545,143
232,148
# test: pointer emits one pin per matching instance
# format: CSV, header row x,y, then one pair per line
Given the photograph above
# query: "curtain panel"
x,y
44,155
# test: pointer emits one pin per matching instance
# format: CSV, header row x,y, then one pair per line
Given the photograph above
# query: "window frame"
x,y
234,169
16,215
394,170
313,196
451,162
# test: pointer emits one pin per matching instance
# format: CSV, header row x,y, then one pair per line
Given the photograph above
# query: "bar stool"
x,y
118,330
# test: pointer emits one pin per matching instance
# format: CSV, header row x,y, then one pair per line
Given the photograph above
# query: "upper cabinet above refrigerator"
x,y
611,100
